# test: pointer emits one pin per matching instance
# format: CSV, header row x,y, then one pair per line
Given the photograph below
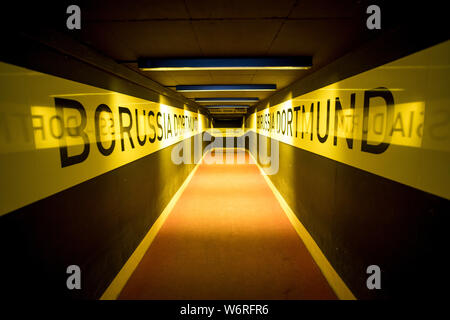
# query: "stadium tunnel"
x,y
224,150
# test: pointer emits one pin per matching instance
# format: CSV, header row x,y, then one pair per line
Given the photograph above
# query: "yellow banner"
x,y
56,133
392,121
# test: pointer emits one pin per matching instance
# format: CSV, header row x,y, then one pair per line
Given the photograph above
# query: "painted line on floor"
x,y
332,277
120,280
334,280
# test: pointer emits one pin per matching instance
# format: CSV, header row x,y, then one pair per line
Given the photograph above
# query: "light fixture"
x,y
226,87
226,106
244,63
226,99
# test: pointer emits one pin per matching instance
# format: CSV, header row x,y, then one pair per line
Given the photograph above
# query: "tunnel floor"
x,y
234,243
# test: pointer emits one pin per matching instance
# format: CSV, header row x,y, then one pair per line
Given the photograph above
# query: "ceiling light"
x,y
245,63
226,99
226,87
227,106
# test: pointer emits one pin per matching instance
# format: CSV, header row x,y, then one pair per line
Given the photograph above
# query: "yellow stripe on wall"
x,y
393,120
56,133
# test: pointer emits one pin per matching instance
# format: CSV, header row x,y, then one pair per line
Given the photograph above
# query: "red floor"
x,y
227,238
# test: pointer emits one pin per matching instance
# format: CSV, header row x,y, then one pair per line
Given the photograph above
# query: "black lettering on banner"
x,y
325,137
411,121
296,119
158,115
175,125
311,120
398,119
124,129
338,107
278,121
165,128
389,98
152,127
106,152
8,136
272,121
169,126
72,131
67,160
289,120
419,129
375,121
61,127
283,122
141,142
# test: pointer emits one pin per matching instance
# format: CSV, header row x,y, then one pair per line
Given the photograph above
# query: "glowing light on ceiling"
x,y
244,63
226,100
226,87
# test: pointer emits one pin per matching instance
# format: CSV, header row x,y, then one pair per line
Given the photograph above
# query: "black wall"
x,y
95,225
358,219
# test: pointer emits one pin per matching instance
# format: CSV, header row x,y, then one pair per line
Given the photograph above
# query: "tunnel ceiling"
x,y
127,30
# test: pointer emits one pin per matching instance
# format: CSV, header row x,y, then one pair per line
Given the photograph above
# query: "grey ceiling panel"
x,y
207,9
236,38
130,40
134,10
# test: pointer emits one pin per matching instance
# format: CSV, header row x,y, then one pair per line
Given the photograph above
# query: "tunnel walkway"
x,y
234,243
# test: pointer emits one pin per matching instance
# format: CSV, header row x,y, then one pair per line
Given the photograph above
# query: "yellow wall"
x,y
32,133
416,127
